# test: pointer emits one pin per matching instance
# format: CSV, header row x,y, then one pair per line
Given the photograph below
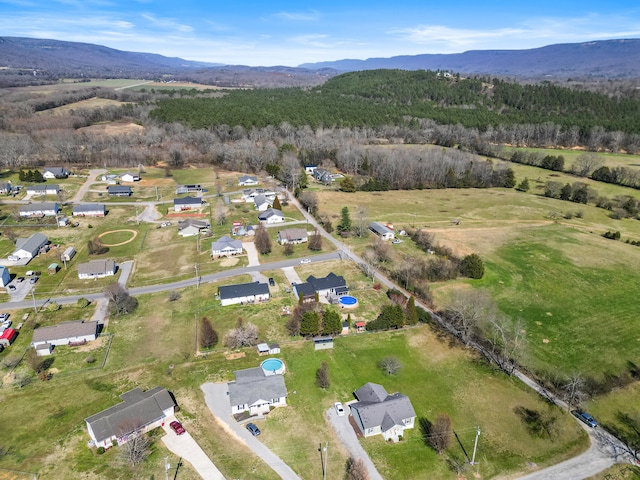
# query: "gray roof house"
x,y
377,412
381,230
55,172
190,227
255,392
186,203
292,235
243,293
262,203
30,247
271,215
89,210
43,209
66,333
245,180
330,286
43,189
119,191
225,247
97,269
139,412
191,188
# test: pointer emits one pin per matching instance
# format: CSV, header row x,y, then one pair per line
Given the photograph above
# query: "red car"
x,y
177,427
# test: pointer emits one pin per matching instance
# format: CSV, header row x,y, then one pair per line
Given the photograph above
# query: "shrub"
x,y
90,359
472,266
83,303
100,450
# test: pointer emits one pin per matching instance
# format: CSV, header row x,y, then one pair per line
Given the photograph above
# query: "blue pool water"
x,y
348,300
273,366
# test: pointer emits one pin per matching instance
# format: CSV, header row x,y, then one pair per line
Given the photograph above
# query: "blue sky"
x,y
290,33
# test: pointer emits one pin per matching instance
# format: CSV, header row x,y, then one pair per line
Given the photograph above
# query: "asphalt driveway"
x,y
216,396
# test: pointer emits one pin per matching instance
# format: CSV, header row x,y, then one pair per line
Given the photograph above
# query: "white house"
x,y
292,235
130,177
65,333
330,286
186,203
384,232
139,412
30,247
43,209
262,203
51,173
377,412
271,215
89,210
36,190
226,247
96,269
68,254
247,180
243,293
254,392
190,227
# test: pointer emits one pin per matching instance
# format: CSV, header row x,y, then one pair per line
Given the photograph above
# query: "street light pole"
x,y
197,278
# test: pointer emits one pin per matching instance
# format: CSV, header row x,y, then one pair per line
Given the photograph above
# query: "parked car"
x,y
20,279
272,282
12,287
33,280
177,427
6,324
396,241
586,418
305,260
4,316
339,409
255,431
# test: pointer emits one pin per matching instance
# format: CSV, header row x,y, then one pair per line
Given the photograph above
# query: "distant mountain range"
x,y
28,60
607,59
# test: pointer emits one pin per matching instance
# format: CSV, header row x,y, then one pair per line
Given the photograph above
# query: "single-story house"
x,y
5,276
43,189
44,209
271,215
44,349
322,175
190,227
130,177
139,412
225,247
322,343
186,203
330,286
384,232
30,247
97,269
262,203
376,412
8,337
5,188
254,392
193,188
246,180
243,293
119,191
89,210
292,235
304,292
51,173
310,169
68,254
65,333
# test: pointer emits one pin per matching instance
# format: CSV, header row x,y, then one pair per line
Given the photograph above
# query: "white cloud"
x,y
166,23
298,16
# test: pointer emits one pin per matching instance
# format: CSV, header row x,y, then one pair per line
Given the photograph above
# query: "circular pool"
x,y
347,301
273,366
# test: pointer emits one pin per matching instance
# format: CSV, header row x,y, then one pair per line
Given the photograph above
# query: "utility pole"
x,y
326,455
166,468
475,446
197,278
157,193
33,296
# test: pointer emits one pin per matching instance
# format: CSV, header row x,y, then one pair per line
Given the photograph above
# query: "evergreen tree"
x,y
524,185
347,185
208,335
310,324
331,322
565,193
345,220
472,266
411,313
276,203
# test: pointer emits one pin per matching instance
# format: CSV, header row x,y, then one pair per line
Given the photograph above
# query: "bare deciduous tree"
x,y
208,334
322,376
136,449
315,241
119,299
441,433
242,335
586,163
573,390
506,339
390,365
356,469
262,240
465,311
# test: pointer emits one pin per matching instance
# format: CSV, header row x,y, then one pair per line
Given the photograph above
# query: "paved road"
x,y
188,449
84,188
216,396
348,437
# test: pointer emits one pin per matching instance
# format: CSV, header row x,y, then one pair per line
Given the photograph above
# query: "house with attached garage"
x,y
190,227
130,177
262,203
30,247
139,412
96,269
226,247
255,392
243,293
271,215
186,203
384,232
44,209
330,286
192,188
38,190
75,332
292,235
378,413
51,173
119,191
89,210
247,180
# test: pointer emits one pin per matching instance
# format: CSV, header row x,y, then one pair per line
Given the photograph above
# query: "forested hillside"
x,y
396,97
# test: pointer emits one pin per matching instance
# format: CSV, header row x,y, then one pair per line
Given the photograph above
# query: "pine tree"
x,y
276,204
347,185
524,185
472,266
310,324
345,220
331,322
411,313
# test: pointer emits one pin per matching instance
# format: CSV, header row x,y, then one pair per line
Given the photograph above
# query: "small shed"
x,y
8,336
263,349
322,343
345,328
274,348
359,326
63,221
68,254
44,349
53,268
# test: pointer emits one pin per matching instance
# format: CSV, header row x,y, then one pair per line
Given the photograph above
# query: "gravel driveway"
x,y
216,396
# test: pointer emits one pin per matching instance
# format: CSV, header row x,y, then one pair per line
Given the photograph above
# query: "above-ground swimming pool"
x,y
347,301
273,366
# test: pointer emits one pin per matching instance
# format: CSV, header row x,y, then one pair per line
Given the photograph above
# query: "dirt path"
x,y
93,174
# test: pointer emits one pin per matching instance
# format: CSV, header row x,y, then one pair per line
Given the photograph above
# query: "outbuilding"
x,y
322,343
